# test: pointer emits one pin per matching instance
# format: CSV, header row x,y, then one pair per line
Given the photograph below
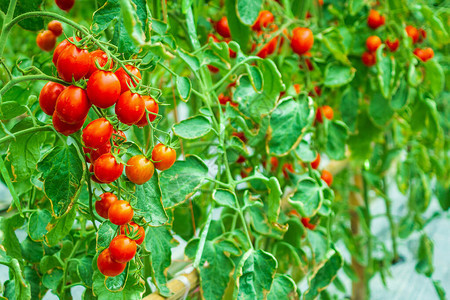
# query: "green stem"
x,y
368,269
6,20
24,132
20,79
392,225
66,265
235,67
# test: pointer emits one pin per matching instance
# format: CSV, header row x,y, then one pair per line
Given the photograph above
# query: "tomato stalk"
x,y
20,79
6,20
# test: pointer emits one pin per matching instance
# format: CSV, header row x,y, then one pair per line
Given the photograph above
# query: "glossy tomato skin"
x,y
60,48
328,112
101,58
305,222
64,128
97,133
48,96
222,28
134,228
73,63
265,18
372,43
125,80
327,177
130,108
107,266
102,206
413,33
316,162
164,157
55,27
393,45
122,249
139,169
369,59
65,4
46,40
375,20
120,212
72,105
103,88
150,105
302,40
107,169
424,54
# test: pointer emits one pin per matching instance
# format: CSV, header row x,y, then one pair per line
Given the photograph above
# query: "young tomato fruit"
x,y
97,133
64,128
122,249
369,59
65,4
60,48
327,177
315,163
107,169
302,40
101,58
413,33
102,206
372,43
265,18
163,156
139,169
130,108
107,266
152,106
73,63
72,105
375,20
222,28
55,27
103,88
124,78
46,40
120,212
393,45
48,96
135,228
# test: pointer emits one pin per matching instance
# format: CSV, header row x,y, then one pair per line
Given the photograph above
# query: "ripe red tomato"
x,y
285,168
103,88
60,48
107,266
213,69
48,96
65,4
328,112
302,40
119,137
222,27
101,57
125,80
375,20
413,33
73,63
120,212
55,27
305,222
164,157
122,249
46,40
424,54
94,154
64,128
102,206
97,133
327,177
319,117
72,105
297,88
316,162
130,108
150,105
369,59
422,35
139,169
265,18
393,46
135,228
274,163
372,43
107,169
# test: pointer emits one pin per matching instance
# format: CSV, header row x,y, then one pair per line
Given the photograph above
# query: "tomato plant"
x,y
257,145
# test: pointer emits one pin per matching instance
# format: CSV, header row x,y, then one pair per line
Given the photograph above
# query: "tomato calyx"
x,y
132,232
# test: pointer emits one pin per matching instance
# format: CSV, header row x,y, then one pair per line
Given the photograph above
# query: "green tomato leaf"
x,y
11,109
60,227
192,128
248,10
283,287
239,31
51,280
24,6
349,107
338,75
424,263
333,40
184,88
37,224
8,238
124,286
85,270
225,198
337,136
307,197
379,109
386,73
401,97
106,232
275,194
434,77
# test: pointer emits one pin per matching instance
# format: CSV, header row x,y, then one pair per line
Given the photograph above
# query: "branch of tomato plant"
x,y
24,132
8,17
368,270
233,69
17,80
66,265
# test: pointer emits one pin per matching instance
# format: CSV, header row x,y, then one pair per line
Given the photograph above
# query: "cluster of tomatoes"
x,y
46,40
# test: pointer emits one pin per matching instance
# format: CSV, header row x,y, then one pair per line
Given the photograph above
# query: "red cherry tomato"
x,y
101,58
393,46
46,40
107,266
65,4
152,106
375,20
139,169
102,206
422,35
413,33
94,154
48,96
328,112
372,43
285,168
55,27
119,137
60,48
315,163
64,128
107,169
103,89
424,54
73,63
302,40
274,162
164,157
268,48
305,222
319,117
135,228
130,108
97,133
72,105
265,18
125,80
222,27
120,212
122,249
327,177
369,59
